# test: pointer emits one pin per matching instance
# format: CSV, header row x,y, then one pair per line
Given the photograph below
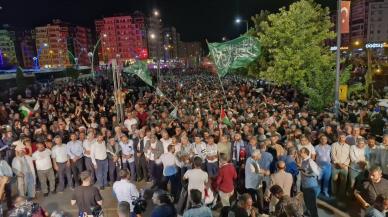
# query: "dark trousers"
x,y
76,168
102,172
8,194
257,198
174,181
64,170
310,199
132,168
114,169
141,167
212,169
89,167
151,170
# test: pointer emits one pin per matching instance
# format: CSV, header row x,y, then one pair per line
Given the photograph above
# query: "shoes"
x,y
102,188
60,192
45,195
53,192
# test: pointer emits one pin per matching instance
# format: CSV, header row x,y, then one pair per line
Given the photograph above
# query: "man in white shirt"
x,y
170,170
23,167
357,159
75,152
211,157
199,148
87,144
340,156
61,163
124,190
130,121
98,153
197,178
44,168
166,141
128,155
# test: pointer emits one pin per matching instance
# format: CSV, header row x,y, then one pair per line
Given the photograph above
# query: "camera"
x,y
140,203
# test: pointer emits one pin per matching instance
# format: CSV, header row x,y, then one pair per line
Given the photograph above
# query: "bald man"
x,y
281,178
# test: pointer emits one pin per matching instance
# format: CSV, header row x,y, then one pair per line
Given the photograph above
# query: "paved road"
x,y
62,202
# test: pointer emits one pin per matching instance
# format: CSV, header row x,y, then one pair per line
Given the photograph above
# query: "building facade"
x,y
80,44
155,37
7,48
25,48
121,39
170,43
51,45
378,21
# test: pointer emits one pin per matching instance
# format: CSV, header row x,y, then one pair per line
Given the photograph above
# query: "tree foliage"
x,y
294,52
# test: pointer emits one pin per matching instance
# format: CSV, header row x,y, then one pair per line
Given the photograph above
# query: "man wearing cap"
x,y
23,167
75,152
61,163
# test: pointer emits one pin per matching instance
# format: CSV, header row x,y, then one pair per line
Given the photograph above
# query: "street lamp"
x,y
91,54
36,58
156,13
239,20
153,37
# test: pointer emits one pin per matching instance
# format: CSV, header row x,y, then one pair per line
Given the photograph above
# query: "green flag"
x,y
234,54
140,69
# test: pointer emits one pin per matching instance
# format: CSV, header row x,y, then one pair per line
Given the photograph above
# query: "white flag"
x,y
159,92
37,106
174,113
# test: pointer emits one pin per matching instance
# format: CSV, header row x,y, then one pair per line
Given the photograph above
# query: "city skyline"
x,y
195,20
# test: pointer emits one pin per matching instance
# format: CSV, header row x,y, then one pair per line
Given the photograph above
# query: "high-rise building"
x,y
25,48
378,21
155,37
190,53
7,48
170,43
358,21
80,43
121,39
51,45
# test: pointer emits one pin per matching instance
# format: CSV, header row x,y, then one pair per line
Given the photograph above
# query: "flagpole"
x,y
223,90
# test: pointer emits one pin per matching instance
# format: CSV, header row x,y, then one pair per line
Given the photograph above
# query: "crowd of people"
x,y
248,147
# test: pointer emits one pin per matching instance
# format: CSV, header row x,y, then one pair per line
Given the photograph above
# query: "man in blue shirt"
x,y
75,152
128,154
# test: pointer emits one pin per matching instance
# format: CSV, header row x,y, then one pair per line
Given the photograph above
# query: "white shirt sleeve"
x,y
314,167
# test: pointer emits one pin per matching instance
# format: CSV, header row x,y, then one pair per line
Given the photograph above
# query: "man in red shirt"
x,y
142,116
225,179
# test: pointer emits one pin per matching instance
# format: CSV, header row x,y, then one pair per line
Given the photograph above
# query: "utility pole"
x,y
338,61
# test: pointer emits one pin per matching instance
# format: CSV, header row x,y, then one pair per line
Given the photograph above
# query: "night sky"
x,y
195,20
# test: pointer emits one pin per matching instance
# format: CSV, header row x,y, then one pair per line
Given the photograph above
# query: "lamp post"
x,y
239,20
153,37
91,54
338,63
36,58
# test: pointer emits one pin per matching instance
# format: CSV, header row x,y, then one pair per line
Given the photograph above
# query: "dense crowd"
x,y
251,147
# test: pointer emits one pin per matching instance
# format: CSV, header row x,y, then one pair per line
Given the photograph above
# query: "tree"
x,y
294,42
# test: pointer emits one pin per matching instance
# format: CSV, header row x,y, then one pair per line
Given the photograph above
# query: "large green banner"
x,y
234,54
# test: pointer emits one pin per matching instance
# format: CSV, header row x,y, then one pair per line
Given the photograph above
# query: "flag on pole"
x,y
140,69
159,92
225,118
37,106
174,113
25,111
234,54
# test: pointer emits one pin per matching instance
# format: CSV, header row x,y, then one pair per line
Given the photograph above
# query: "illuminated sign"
x,y
333,48
374,45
